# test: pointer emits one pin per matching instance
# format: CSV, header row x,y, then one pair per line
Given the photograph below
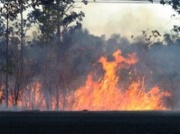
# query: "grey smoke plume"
x,y
64,68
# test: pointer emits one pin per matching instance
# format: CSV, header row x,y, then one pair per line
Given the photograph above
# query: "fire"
x,y
102,94
32,97
106,95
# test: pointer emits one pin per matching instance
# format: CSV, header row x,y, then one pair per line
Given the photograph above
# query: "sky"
x,y
127,19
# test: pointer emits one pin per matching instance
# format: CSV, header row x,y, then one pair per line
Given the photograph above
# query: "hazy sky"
x,y
127,19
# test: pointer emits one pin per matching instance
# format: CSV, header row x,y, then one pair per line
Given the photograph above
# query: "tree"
x,y
7,14
176,6
21,5
11,10
174,3
54,17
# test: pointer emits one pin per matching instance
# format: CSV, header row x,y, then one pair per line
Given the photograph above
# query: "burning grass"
x,y
101,94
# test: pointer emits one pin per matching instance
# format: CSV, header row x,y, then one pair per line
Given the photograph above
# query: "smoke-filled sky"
x,y
127,19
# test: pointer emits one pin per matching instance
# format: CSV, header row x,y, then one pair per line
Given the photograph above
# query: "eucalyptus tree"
x,y
175,4
21,6
6,15
9,15
55,17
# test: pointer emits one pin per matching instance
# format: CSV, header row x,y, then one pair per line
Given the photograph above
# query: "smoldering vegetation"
x,y
64,67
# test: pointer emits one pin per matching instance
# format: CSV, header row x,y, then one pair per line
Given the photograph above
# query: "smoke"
x,y
166,68
158,64
51,69
127,19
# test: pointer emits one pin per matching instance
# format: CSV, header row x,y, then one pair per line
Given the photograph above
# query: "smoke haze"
x,y
53,72
127,19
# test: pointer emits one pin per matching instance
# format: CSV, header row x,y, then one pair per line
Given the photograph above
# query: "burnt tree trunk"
x,y
19,68
7,49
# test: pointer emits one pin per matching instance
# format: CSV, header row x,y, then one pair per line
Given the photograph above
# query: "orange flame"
x,y
32,97
105,94
102,94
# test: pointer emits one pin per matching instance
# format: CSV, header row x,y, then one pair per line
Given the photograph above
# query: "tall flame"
x,y
105,94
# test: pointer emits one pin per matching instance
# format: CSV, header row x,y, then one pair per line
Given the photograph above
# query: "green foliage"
x,y
54,16
174,3
9,8
176,6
